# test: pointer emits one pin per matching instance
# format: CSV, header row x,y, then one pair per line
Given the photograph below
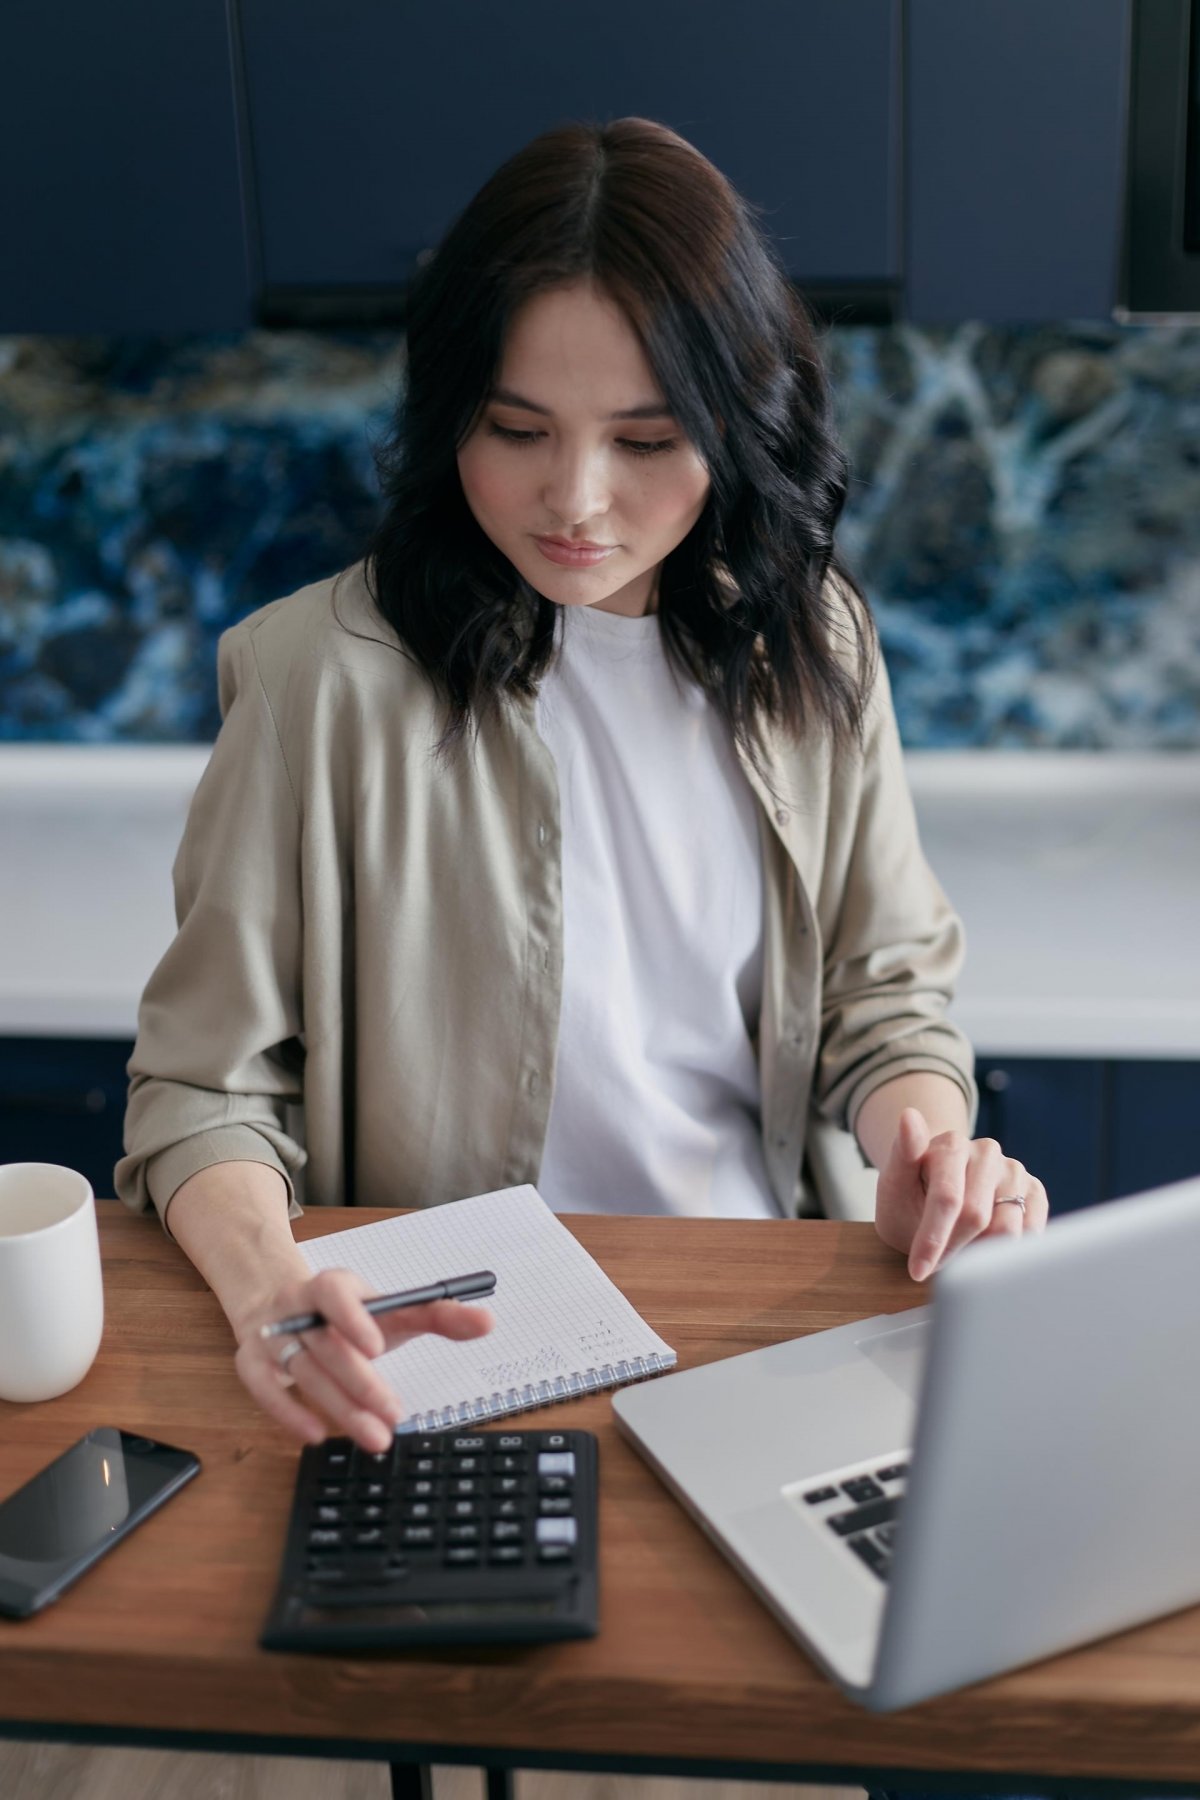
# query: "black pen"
x,y
458,1287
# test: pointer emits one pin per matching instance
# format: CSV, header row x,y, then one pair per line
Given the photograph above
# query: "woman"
x,y
565,837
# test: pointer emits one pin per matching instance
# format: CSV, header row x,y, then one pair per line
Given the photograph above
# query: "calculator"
x,y
455,1538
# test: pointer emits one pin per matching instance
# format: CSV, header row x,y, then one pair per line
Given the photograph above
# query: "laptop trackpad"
x,y
899,1354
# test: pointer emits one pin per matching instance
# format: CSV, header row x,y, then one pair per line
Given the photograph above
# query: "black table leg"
x,y
414,1781
411,1781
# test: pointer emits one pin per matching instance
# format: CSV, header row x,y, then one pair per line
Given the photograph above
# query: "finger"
x,y
262,1381
910,1142
338,1294
945,1167
1008,1220
361,1383
448,1318
1037,1205
361,1423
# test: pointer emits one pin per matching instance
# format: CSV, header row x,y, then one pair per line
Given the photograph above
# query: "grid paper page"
x,y
558,1316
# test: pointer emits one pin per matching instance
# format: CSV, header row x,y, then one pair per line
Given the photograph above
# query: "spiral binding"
x,y
535,1394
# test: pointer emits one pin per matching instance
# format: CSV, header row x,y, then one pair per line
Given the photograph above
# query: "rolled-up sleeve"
x,y
219,1052
893,944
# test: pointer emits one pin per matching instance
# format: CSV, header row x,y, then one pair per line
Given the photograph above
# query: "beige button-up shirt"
x,y
365,985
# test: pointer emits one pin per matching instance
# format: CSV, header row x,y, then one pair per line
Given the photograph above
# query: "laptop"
x,y
931,1497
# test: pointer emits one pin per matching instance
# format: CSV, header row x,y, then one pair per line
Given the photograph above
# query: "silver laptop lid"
x,y
1052,1493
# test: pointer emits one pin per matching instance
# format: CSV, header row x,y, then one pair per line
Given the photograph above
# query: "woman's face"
x,y
553,457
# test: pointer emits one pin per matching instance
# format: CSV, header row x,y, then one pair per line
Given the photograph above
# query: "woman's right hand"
x,y
332,1374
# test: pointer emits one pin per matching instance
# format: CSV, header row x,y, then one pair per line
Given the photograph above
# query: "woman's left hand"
x,y
937,1193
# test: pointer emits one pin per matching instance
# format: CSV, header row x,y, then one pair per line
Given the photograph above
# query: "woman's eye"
x,y
637,448
513,437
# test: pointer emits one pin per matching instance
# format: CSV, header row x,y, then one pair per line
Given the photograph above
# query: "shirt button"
x,y
781,817
541,834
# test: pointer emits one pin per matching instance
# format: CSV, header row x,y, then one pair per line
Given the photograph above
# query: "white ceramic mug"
x,y
51,1292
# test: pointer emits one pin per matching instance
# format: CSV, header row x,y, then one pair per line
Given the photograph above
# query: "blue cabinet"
x,y
372,126
1014,128
120,206
218,163
1093,1130
62,1100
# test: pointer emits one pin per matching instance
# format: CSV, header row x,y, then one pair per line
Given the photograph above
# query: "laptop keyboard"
x,y
859,1508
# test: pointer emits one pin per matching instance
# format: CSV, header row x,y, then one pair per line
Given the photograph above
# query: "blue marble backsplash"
x,y
1024,516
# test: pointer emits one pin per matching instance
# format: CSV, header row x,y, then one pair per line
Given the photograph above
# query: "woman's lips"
x,y
572,559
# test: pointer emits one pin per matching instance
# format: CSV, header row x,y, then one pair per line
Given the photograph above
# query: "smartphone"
x,y
79,1506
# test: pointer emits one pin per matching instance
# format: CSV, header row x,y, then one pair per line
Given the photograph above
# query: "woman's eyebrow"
x,y
654,409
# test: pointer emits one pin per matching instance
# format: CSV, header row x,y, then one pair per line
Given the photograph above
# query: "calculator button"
x,y
366,1535
466,1465
555,1484
325,1534
509,1465
466,1484
372,1490
894,1472
423,1465
862,1488
463,1509
509,1508
329,1515
374,1462
370,1515
332,1490
814,1496
506,1553
554,1440
464,1533
426,1446
560,1462
509,1440
334,1458
419,1490
556,1531
508,1484
462,1555
505,1531
556,1503
463,1446
554,1553
418,1509
416,1534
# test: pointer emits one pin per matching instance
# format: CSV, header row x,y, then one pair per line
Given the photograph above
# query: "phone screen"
x,y
74,1509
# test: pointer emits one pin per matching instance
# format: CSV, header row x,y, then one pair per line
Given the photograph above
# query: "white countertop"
x,y
1077,875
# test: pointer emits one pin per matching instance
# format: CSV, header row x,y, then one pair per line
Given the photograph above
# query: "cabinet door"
x,y
1154,1125
373,124
1015,119
1047,1112
120,206
63,1101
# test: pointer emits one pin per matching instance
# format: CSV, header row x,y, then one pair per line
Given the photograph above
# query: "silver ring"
x,y
1010,1200
292,1348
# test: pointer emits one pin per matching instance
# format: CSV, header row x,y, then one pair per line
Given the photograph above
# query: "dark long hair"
x,y
744,602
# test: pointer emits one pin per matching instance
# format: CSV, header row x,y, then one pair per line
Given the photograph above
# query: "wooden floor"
x,y
63,1772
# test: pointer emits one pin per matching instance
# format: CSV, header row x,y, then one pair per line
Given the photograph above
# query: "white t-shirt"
x,y
656,1095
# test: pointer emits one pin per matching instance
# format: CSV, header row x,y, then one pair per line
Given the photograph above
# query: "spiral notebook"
x,y
562,1327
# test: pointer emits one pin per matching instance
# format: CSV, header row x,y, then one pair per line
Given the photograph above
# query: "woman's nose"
x,y
576,488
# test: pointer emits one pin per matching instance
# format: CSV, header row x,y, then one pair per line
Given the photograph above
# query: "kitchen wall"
x,y
1024,515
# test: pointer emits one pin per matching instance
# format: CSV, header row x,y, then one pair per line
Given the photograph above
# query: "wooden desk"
x,y
690,1673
